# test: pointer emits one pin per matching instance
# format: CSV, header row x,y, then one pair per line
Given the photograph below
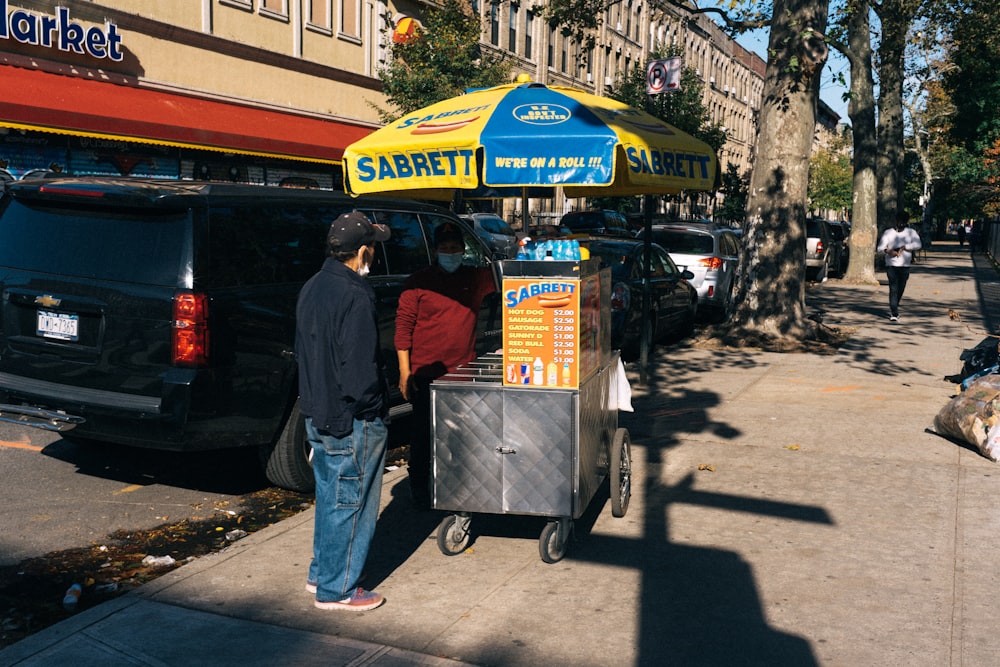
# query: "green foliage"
x,y
684,108
736,188
442,61
974,81
623,205
831,180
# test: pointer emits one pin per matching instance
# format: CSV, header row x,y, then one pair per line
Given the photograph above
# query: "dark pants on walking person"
x,y
419,464
898,275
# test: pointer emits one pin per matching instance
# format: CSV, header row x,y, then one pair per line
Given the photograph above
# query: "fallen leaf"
x,y
794,448
706,466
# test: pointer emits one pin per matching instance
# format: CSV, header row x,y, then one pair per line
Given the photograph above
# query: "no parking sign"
x,y
663,76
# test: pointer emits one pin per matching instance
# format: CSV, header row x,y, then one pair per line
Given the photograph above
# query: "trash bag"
x,y
974,417
983,356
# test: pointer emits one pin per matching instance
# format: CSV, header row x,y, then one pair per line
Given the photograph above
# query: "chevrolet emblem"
x,y
47,300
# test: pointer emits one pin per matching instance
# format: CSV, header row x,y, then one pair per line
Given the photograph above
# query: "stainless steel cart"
x,y
524,450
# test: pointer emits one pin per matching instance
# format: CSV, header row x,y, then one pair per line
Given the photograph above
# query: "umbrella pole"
x,y
647,259
525,218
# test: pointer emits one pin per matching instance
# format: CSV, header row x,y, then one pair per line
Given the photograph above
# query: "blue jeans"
x,y
348,474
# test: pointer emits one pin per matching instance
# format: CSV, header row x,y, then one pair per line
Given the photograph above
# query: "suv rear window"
x,y
813,228
78,241
685,242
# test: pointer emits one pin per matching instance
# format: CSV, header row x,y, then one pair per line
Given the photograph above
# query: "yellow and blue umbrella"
x,y
529,135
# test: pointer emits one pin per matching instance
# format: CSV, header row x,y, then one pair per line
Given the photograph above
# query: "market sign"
x,y
60,32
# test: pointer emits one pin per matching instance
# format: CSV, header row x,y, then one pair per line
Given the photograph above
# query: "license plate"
x,y
61,326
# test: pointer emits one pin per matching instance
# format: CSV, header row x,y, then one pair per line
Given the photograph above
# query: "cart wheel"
x,y
621,473
552,543
453,534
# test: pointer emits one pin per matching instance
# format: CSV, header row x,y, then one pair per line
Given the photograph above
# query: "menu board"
x,y
550,330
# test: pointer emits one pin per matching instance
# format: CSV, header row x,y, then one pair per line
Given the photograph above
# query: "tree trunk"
x,y
861,109
770,301
896,17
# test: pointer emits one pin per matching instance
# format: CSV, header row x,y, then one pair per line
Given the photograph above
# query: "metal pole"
x,y
645,344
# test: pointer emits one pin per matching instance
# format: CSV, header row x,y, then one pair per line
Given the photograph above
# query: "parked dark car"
x,y
842,234
673,303
593,222
497,234
162,313
548,232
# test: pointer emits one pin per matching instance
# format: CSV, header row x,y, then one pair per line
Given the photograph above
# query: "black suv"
x,y
162,313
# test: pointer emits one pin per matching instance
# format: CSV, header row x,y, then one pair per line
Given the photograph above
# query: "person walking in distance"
x,y
436,333
343,397
898,243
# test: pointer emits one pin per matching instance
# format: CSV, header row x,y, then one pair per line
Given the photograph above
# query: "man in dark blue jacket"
x,y
342,394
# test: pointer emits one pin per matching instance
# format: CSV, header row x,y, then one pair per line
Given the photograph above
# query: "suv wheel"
x,y
288,462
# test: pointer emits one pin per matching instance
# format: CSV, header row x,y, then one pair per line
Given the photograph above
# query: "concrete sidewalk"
x,y
787,510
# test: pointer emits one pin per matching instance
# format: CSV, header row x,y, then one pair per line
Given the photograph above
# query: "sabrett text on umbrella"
x,y
667,163
416,120
442,162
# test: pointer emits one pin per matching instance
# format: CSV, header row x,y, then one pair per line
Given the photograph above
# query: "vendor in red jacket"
x,y
436,333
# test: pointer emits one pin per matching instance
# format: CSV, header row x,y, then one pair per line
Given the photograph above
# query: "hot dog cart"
x,y
534,430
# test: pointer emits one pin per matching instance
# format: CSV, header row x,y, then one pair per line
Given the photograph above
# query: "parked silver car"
x,y
823,251
708,251
496,233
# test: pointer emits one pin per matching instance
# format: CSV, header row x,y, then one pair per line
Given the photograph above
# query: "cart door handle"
x,y
505,450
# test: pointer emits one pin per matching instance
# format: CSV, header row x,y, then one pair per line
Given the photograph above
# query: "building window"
x,y
551,61
277,8
350,18
494,24
240,4
628,19
564,57
512,29
529,31
318,14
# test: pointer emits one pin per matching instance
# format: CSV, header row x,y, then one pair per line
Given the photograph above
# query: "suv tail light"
x,y
819,248
711,263
190,330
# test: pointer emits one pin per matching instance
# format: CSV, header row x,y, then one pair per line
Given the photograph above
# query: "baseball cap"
x,y
352,230
447,231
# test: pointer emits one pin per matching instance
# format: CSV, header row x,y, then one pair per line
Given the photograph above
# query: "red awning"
x,y
37,100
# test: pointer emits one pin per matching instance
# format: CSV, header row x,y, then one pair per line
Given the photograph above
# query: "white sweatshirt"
x,y
908,240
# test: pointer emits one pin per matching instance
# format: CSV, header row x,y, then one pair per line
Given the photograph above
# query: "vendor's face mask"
x,y
450,261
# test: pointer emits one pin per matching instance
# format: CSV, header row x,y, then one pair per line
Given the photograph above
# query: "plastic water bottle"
x,y
72,596
575,250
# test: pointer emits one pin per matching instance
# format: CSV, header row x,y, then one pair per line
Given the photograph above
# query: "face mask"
x,y
450,261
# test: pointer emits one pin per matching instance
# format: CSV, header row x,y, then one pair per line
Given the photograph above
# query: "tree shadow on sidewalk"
x,y
699,605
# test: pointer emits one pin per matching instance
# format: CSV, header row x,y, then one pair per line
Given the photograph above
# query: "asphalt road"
x,y
60,494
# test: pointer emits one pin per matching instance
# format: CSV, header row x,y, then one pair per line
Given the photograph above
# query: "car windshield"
x,y
496,226
685,243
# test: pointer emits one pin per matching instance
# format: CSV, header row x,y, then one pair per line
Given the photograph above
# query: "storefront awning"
x,y
37,100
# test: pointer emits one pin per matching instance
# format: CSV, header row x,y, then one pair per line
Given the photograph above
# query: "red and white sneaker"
x,y
360,600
